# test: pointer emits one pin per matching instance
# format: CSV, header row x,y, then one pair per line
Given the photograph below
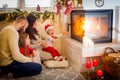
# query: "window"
x,y
10,3
34,3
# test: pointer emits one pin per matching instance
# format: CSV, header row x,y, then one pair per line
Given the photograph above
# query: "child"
x,y
50,42
24,43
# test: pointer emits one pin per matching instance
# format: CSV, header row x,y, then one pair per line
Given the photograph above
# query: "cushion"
x,y
45,55
56,64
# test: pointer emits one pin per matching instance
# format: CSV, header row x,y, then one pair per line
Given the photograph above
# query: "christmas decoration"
x,y
88,64
99,73
64,3
94,62
68,6
93,74
38,8
11,16
58,5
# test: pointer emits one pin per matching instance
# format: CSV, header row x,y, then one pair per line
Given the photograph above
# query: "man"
x,y
11,60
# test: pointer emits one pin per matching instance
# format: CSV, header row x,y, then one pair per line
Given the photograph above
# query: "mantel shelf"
x,y
77,8
75,47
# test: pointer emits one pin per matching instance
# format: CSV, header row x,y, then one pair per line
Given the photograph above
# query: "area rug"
x,y
53,74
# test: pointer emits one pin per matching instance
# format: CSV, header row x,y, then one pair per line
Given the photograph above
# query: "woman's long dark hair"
x,y
30,30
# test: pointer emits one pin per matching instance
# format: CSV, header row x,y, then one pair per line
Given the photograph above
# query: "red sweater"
x,y
30,50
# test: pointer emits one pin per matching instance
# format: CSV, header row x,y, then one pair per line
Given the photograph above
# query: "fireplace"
x,y
95,24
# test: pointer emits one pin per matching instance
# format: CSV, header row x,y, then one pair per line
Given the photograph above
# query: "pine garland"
x,y
11,16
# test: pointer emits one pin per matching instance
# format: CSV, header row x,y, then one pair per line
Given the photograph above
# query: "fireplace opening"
x,y
95,24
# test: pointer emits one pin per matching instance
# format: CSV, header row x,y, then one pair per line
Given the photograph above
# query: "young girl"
x,y
50,42
24,43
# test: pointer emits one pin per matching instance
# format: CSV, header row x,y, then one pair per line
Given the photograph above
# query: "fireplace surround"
x,y
77,54
95,24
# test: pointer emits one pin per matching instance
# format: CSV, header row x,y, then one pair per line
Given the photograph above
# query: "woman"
x,y
35,38
32,31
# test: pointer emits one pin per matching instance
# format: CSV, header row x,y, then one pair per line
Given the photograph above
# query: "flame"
x,y
78,26
98,27
89,26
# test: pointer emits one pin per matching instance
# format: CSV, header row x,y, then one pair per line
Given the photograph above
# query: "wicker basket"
x,y
110,64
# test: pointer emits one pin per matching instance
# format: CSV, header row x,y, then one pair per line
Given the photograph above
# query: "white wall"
x,y
108,4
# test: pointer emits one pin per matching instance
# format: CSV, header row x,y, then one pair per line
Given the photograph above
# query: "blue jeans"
x,y
22,69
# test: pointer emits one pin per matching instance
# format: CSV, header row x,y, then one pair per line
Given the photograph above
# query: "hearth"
x,y
95,24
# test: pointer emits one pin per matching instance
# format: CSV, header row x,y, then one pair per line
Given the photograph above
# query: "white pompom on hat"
x,y
48,27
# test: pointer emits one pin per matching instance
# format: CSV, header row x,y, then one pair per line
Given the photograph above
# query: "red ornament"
x,y
88,64
94,62
38,8
99,73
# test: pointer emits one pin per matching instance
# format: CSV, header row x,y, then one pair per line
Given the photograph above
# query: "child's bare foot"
x,y
58,58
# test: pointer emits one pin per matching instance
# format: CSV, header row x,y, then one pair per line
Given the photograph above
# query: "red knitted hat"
x,y
47,27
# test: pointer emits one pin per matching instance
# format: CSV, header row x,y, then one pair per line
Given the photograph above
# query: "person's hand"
x,y
34,53
55,37
44,44
64,33
32,59
30,55
41,43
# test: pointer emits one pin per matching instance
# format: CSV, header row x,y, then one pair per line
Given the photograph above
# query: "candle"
x,y
99,73
88,64
85,41
94,62
90,43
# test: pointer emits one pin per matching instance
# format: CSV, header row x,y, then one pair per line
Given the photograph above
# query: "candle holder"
x,y
99,74
93,73
88,66
94,64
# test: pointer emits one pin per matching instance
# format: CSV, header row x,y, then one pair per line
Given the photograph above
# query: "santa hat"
x,y
48,27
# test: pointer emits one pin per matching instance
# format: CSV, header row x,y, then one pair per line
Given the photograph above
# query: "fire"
x,y
98,27
78,26
90,26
